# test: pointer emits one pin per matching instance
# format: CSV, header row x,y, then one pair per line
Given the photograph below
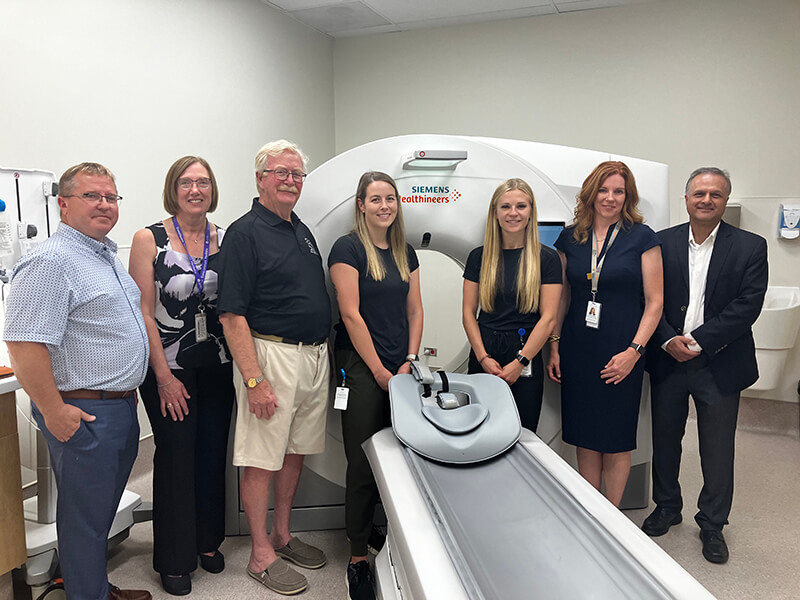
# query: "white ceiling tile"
x,y
343,16
346,18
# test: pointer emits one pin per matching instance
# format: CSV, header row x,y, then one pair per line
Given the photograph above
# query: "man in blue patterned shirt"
x,y
78,346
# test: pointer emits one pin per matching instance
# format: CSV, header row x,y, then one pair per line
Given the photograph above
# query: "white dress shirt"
x,y
699,259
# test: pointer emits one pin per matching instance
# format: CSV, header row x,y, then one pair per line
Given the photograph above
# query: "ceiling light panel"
x,y
421,10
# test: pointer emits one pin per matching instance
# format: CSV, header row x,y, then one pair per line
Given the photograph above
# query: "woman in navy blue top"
x,y
610,307
517,284
376,276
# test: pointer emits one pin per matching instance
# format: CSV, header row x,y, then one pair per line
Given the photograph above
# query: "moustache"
x,y
287,188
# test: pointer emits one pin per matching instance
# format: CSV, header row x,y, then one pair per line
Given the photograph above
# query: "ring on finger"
x,y
169,404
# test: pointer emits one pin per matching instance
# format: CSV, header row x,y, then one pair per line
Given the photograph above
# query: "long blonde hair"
x,y
396,234
529,274
584,209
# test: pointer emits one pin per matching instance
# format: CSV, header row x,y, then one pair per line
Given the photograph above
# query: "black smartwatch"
x,y
638,347
523,361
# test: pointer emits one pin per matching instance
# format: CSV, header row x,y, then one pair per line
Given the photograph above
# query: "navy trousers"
x,y
717,414
91,470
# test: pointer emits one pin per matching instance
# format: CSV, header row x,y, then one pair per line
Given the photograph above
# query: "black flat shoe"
x,y
715,549
214,563
660,520
177,586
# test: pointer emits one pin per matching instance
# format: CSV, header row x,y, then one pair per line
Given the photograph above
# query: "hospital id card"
x,y
593,314
200,328
340,400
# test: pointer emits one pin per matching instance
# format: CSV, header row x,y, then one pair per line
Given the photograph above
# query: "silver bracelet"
x,y
162,385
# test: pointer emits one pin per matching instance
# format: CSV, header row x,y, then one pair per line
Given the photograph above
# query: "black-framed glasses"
x,y
203,183
283,174
95,197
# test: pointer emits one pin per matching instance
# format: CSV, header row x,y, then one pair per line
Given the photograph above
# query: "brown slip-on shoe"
x,y
114,593
281,578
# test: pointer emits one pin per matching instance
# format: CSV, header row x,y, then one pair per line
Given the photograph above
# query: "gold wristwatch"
x,y
254,381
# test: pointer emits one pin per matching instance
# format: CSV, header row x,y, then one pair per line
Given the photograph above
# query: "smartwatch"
x,y
638,347
523,361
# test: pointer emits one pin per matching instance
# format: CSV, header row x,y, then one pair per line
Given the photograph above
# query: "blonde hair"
x,y
396,234
529,274
584,209
66,184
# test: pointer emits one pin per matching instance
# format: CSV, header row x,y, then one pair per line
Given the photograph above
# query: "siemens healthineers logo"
x,y
431,194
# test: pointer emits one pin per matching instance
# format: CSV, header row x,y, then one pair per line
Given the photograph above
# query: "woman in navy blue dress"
x,y
610,306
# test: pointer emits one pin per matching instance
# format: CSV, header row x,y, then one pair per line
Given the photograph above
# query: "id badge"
x,y
527,370
593,314
200,329
340,400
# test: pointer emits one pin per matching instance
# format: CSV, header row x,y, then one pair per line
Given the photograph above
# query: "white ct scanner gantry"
x,y
523,523
445,183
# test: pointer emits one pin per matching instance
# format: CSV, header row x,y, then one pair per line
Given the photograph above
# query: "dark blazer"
x,y
735,288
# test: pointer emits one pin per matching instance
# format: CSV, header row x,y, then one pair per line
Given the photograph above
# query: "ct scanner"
x,y
445,183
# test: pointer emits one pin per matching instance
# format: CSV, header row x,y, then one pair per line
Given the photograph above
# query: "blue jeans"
x,y
91,470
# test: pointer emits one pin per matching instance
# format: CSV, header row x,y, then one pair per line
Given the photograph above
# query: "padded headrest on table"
x,y
483,424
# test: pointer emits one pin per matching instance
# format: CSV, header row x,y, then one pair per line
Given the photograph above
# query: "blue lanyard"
x,y
200,276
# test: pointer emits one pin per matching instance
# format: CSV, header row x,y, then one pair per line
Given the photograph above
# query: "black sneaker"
x,y
376,541
360,582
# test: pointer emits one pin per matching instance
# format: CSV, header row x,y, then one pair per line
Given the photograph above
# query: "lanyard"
x,y
199,277
598,266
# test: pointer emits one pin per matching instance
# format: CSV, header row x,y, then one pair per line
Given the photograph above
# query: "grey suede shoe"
x,y
302,554
281,578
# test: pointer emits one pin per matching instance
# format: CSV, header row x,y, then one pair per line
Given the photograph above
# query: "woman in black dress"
x,y
188,392
516,281
610,307
376,276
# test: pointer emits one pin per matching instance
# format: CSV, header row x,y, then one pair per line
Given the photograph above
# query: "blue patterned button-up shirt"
x,y
72,294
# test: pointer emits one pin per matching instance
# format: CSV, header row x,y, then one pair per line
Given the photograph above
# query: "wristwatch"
x,y
638,347
254,381
523,361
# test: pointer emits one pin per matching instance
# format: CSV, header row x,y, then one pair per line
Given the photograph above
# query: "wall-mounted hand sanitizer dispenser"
x,y
789,221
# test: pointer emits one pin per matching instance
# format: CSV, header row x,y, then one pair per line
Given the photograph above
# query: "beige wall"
x,y
135,84
686,83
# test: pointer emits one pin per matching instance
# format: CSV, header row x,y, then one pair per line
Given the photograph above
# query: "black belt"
x,y
285,340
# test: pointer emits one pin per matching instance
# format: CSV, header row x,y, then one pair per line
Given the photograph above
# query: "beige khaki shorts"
x,y
300,378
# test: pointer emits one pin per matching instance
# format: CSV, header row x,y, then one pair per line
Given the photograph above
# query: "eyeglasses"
x,y
283,174
203,183
95,198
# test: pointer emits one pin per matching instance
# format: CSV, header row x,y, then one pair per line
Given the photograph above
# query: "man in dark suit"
x,y
715,278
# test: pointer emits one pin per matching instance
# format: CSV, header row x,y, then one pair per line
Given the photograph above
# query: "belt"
x,y
95,394
284,340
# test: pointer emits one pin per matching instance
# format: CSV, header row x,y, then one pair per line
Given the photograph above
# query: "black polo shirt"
x,y
271,273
